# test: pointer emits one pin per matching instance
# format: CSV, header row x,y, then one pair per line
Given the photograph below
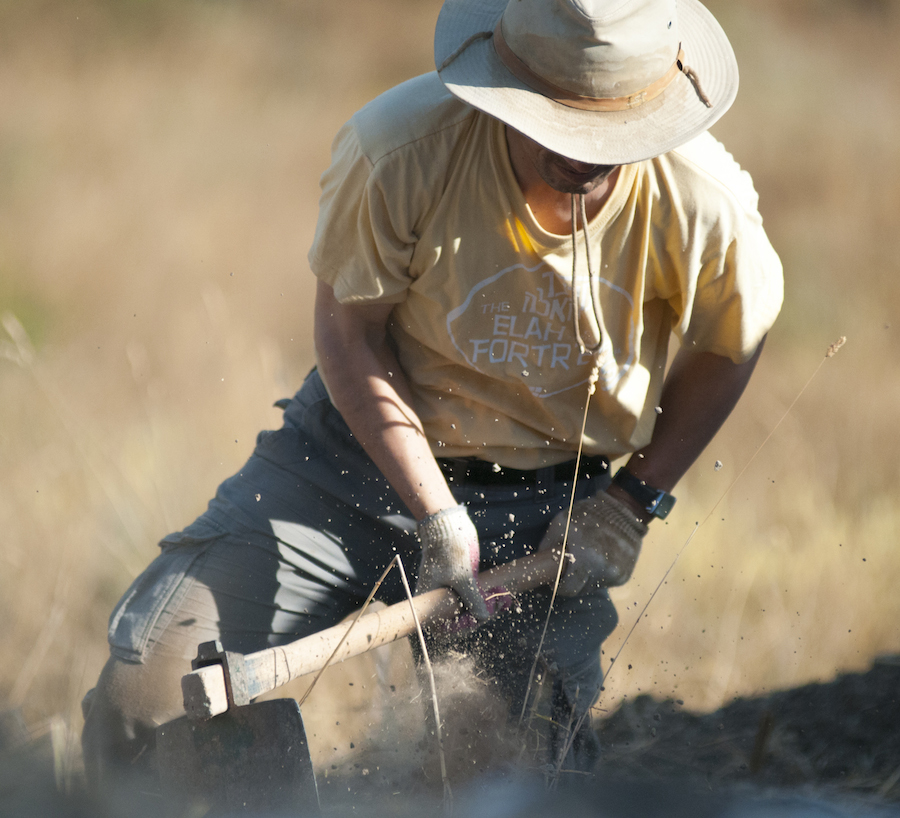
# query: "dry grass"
x,y
158,169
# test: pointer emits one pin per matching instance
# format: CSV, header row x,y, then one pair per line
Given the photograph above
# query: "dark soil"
x,y
843,735
820,750
830,749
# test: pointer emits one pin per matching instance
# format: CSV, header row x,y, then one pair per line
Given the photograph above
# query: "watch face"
x,y
663,505
654,501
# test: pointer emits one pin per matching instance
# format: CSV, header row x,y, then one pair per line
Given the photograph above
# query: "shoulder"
x,y
417,115
703,178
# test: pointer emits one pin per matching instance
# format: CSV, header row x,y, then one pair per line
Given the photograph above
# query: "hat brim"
x,y
478,76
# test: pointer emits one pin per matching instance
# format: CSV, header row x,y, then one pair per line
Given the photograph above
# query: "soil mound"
x,y
842,735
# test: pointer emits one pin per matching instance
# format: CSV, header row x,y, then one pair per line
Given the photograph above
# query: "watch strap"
x,y
654,501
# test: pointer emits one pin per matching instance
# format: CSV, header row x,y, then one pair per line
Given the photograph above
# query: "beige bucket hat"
x,y
603,81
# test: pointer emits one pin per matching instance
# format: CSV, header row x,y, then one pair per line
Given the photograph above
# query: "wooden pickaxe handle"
x,y
204,689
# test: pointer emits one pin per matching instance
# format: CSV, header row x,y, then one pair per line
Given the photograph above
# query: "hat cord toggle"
x,y
692,76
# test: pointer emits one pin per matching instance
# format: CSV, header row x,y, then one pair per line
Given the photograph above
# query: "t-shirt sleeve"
x,y
730,282
738,297
363,244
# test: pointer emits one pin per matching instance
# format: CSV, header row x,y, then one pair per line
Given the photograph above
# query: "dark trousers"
x,y
292,544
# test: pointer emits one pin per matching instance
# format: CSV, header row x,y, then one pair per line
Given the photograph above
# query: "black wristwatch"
x,y
653,501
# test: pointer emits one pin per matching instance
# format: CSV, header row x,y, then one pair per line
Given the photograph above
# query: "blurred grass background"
x,y
158,185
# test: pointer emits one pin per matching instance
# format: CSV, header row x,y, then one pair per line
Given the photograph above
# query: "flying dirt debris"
x,y
829,750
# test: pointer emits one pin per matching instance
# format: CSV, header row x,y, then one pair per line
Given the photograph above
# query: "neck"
x,y
551,206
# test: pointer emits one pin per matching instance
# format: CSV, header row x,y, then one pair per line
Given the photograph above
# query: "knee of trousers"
x,y
122,712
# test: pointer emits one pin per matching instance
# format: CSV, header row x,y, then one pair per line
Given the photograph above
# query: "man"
x,y
503,250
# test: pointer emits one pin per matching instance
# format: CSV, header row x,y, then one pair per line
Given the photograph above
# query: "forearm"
x,y
700,391
371,393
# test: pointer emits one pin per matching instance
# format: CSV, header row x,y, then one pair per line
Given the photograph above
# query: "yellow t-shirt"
x,y
420,209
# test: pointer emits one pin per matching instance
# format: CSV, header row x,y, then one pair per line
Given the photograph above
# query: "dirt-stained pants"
x,y
293,543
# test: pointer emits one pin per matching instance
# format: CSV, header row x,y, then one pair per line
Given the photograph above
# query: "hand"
x,y
604,543
450,557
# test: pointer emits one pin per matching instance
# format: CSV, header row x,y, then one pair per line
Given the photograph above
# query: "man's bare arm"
x,y
371,393
700,391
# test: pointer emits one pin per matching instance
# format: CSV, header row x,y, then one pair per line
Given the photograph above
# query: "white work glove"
x,y
450,557
604,543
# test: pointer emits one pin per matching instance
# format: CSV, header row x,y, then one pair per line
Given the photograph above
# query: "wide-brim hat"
x,y
603,81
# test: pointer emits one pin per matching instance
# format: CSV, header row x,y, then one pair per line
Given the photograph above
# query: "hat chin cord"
x,y
594,349
478,35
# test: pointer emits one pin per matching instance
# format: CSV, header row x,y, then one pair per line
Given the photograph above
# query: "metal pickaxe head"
x,y
253,758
